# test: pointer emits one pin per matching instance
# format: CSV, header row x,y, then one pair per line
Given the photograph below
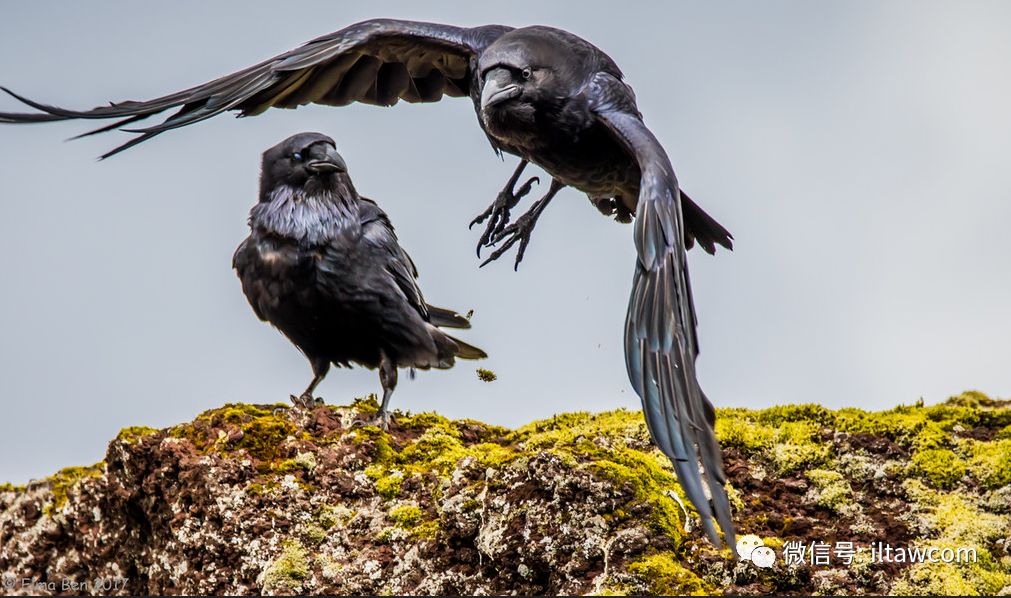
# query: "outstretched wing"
x,y
377,62
660,341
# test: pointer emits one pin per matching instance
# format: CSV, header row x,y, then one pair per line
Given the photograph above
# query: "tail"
x,y
465,351
447,318
702,228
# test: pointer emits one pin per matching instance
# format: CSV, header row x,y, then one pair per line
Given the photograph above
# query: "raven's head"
x,y
307,162
526,71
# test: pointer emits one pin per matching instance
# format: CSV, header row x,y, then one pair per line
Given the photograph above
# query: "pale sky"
x,y
857,150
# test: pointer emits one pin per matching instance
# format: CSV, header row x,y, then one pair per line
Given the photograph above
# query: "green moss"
x,y
990,463
405,515
61,483
1004,434
941,468
366,405
288,570
797,446
330,515
389,486
735,430
664,575
486,375
262,488
263,436
834,490
8,487
955,521
378,443
314,534
134,433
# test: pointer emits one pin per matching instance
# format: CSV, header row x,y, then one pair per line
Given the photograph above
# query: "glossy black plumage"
x,y
553,99
323,265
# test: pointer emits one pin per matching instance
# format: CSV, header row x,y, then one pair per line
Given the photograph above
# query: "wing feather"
x,y
377,62
660,339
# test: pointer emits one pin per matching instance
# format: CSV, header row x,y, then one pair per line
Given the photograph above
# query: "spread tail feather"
x,y
702,228
466,351
440,316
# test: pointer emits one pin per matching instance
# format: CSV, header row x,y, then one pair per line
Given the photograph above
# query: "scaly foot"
x,y
518,232
306,400
498,212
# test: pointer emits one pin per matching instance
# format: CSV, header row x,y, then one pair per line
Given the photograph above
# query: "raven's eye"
x,y
297,156
526,73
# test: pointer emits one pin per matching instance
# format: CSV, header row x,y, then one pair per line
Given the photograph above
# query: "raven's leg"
x,y
388,378
498,211
523,227
319,369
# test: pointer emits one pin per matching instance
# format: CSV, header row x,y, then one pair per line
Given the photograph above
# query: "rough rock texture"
x,y
268,499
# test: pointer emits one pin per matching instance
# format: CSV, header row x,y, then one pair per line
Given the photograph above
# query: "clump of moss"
x,y
954,521
990,463
263,436
735,428
405,515
134,433
798,446
486,375
64,480
941,468
789,435
664,575
287,571
330,515
263,432
833,490
262,488
388,486
8,487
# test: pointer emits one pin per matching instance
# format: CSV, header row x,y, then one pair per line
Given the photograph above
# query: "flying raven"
x,y
548,97
323,265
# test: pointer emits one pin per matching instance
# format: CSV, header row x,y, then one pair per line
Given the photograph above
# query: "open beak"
x,y
329,164
498,87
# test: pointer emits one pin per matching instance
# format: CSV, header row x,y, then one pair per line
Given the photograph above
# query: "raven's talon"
x,y
306,401
498,212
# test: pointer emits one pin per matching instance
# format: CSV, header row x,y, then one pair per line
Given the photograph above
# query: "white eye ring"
x,y
526,73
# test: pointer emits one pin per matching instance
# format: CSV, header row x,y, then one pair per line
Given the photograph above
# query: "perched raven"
x,y
553,99
323,265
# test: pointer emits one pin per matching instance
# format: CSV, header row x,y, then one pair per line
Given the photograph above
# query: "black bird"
x,y
323,265
551,98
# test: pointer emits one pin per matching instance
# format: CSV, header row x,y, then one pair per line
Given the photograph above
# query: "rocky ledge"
x,y
268,499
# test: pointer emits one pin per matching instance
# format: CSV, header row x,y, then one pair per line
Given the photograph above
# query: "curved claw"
x,y
306,401
498,212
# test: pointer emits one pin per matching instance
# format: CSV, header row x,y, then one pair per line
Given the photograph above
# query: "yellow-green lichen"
x,y
405,515
990,463
134,433
832,489
941,468
64,480
330,515
954,521
8,487
663,575
486,375
288,570
260,431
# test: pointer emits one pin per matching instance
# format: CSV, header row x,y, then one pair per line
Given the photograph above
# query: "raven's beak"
x,y
331,163
498,87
